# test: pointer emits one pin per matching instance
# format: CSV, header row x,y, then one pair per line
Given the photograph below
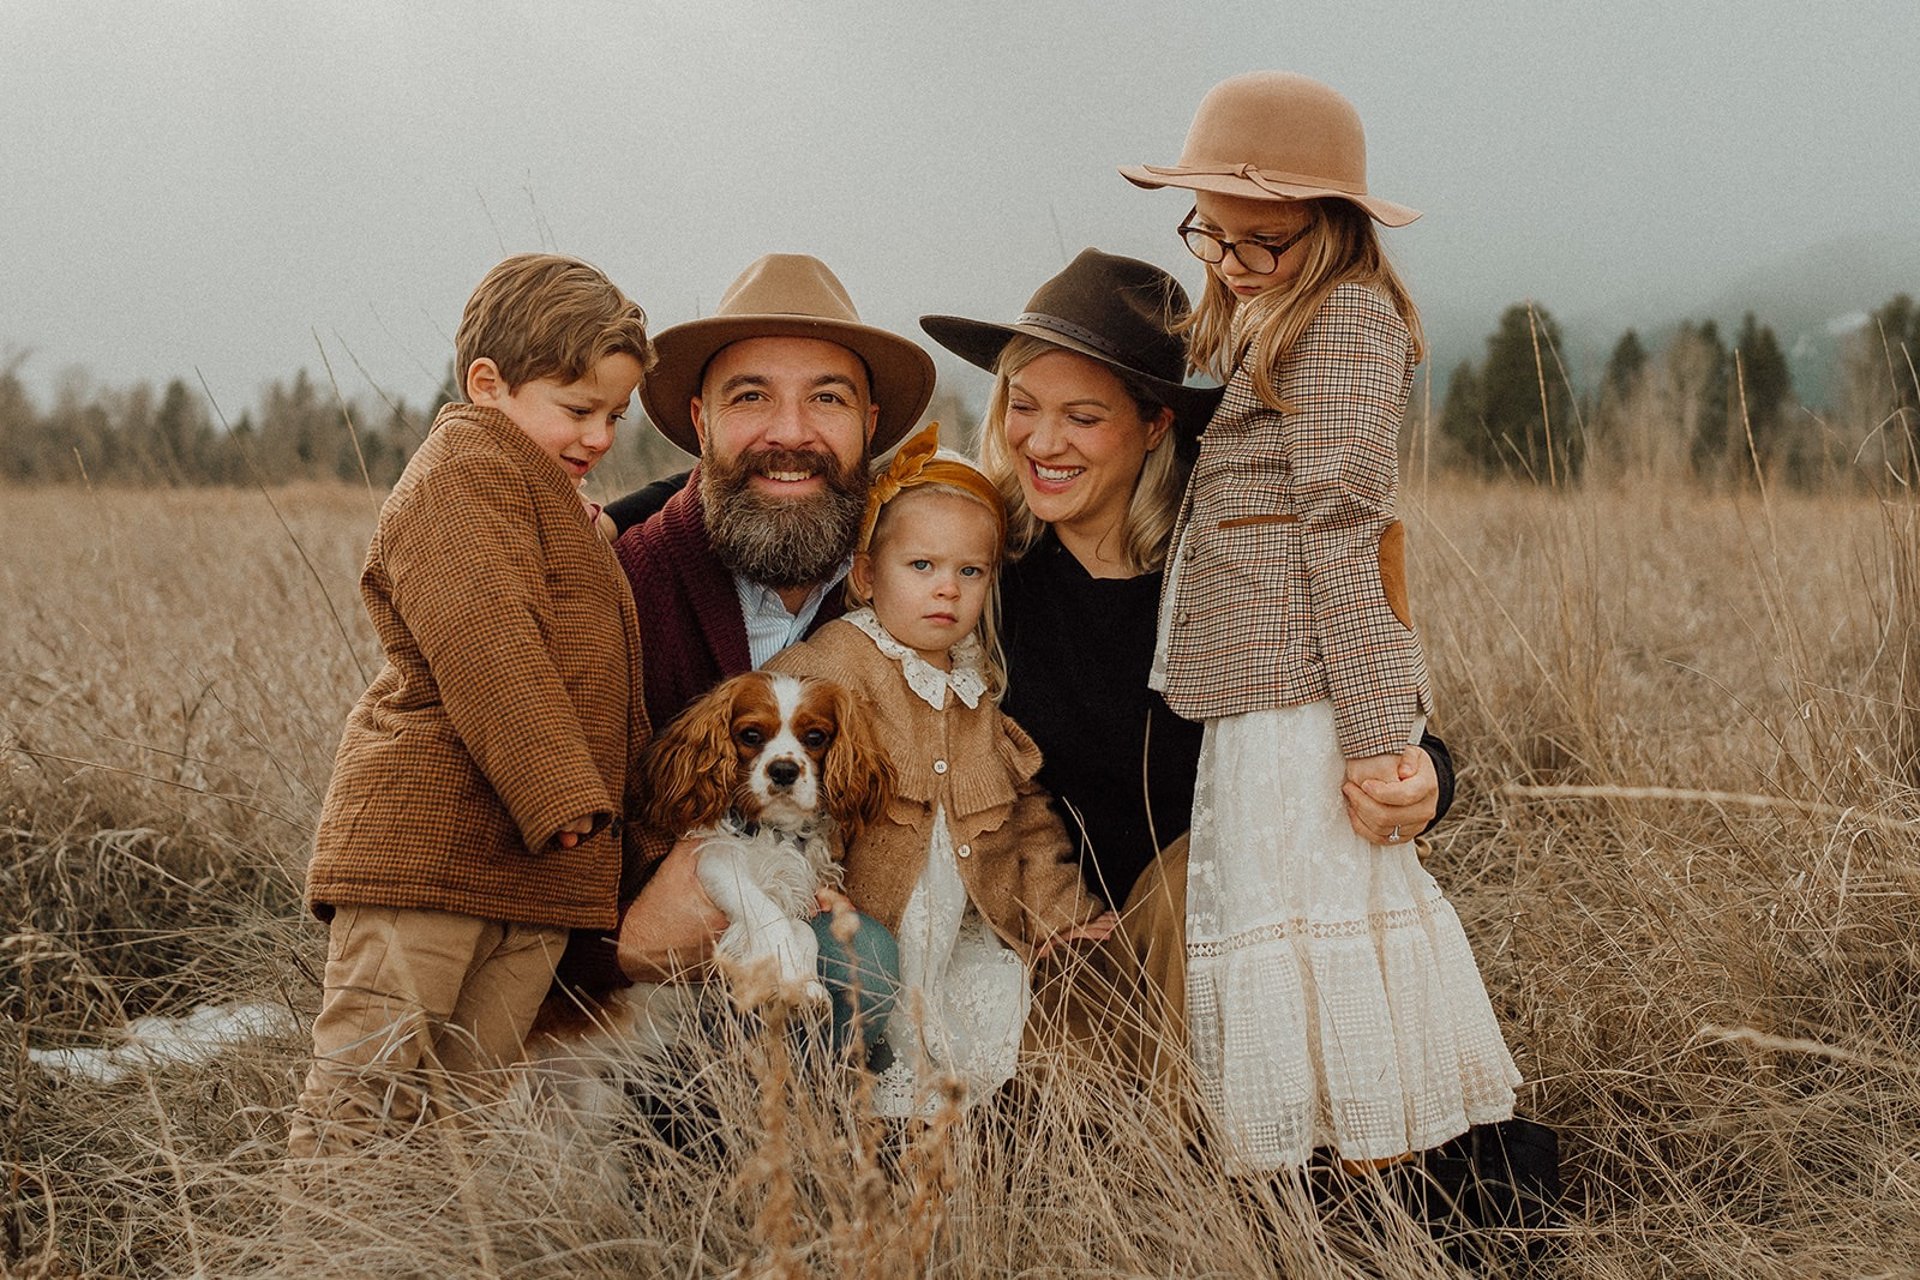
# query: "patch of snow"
x,y
147,1043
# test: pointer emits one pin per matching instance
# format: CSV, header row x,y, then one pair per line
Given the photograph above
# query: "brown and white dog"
x,y
771,775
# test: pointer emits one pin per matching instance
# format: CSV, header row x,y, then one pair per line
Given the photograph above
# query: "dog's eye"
x,y
815,738
751,737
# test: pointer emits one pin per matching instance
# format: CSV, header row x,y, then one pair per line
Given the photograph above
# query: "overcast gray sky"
x,y
207,185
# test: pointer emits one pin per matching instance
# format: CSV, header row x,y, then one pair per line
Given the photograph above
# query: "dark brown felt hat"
x,y
1274,135
786,295
1118,311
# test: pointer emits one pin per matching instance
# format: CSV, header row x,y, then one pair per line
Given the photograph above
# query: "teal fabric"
x,y
870,962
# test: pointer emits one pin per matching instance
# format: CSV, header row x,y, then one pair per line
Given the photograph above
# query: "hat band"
x,y
1268,179
1080,334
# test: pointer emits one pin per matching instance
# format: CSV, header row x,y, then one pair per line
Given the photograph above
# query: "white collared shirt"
x,y
770,628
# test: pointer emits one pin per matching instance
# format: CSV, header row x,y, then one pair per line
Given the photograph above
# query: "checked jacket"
x,y
1289,586
508,703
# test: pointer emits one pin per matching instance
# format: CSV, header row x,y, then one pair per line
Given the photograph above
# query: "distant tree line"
x,y
1699,406
1694,406
298,431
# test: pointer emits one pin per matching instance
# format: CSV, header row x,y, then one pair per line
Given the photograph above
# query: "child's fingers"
x,y
569,836
1412,761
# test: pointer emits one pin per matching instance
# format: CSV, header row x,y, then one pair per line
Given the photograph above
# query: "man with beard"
x,y
784,396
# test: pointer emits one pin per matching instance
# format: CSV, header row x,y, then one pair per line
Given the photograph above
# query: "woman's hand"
x,y
672,925
1391,799
1092,931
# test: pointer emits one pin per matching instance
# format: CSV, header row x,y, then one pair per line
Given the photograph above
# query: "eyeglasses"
x,y
1257,256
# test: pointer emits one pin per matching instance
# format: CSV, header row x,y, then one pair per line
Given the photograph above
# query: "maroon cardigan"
x,y
693,636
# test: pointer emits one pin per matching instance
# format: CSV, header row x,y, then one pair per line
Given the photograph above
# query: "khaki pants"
x,y
1123,1006
413,999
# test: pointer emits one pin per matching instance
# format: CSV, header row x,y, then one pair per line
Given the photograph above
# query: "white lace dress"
x,y
1332,998
964,993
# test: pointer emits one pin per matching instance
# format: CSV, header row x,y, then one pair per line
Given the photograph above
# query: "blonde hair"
x,y
1343,248
1156,490
988,628
541,315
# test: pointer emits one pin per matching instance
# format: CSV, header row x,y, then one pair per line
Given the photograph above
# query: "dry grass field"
x,y
1706,951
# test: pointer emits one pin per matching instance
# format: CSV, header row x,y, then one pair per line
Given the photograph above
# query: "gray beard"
x,y
780,542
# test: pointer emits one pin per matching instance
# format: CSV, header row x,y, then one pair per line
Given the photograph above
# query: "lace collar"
x,y
968,679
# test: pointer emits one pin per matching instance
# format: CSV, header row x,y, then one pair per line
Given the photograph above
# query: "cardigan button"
x,y
965,851
939,766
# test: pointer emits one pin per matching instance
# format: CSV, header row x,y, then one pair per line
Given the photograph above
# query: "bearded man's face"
x,y
784,425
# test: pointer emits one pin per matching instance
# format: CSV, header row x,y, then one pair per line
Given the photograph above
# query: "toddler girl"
x,y
969,867
1333,1001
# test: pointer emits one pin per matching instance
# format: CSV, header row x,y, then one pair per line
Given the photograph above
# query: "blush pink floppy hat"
x,y
1274,135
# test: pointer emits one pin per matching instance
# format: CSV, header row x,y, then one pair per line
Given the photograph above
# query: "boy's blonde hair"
x,y
1342,248
1156,490
542,315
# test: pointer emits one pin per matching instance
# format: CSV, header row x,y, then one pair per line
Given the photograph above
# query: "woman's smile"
x,y
1059,476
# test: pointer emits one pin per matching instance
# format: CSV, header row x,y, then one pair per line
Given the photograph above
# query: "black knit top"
x,y
1120,765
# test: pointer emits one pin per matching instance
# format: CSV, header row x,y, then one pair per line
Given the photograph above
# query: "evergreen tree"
x,y
1463,419
1896,326
1768,386
21,439
180,435
1698,368
1519,379
1625,367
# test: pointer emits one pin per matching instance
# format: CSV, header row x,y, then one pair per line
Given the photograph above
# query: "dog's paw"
x,y
814,992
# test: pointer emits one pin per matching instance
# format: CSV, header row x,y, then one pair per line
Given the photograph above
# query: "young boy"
x,y
475,811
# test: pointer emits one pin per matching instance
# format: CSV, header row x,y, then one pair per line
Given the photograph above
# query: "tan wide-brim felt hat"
x,y
786,295
1274,135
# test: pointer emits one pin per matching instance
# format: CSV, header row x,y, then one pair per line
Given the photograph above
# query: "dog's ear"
x,y
858,776
690,768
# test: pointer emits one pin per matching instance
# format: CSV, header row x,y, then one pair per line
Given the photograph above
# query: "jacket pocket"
x,y
1393,571
1242,522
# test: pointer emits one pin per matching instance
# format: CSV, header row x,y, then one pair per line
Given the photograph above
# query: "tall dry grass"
x,y
1685,849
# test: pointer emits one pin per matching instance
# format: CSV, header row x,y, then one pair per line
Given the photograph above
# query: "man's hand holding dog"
x,y
671,926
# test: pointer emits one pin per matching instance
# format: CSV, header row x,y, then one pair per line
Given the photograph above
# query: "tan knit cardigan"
x,y
977,765
509,704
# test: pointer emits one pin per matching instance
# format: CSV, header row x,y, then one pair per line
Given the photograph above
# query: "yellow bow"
x,y
919,462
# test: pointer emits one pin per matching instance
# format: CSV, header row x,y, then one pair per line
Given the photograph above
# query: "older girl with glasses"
x,y
1333,1002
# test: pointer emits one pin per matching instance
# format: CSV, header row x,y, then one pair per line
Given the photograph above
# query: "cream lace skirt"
x,y
1332,999
963,998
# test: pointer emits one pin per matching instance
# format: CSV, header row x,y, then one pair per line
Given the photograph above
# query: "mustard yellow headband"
x,y
921,462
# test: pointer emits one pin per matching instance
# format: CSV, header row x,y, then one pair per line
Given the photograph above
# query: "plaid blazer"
x,y
1289,584
509,704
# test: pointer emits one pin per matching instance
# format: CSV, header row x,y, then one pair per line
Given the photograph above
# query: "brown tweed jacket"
x,y
1290,586
509,704
1014,856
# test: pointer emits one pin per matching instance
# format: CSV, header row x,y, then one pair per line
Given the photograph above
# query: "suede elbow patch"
x,y
1393,571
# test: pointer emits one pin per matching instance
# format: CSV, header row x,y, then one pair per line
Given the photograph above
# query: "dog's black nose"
x,y
784,773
